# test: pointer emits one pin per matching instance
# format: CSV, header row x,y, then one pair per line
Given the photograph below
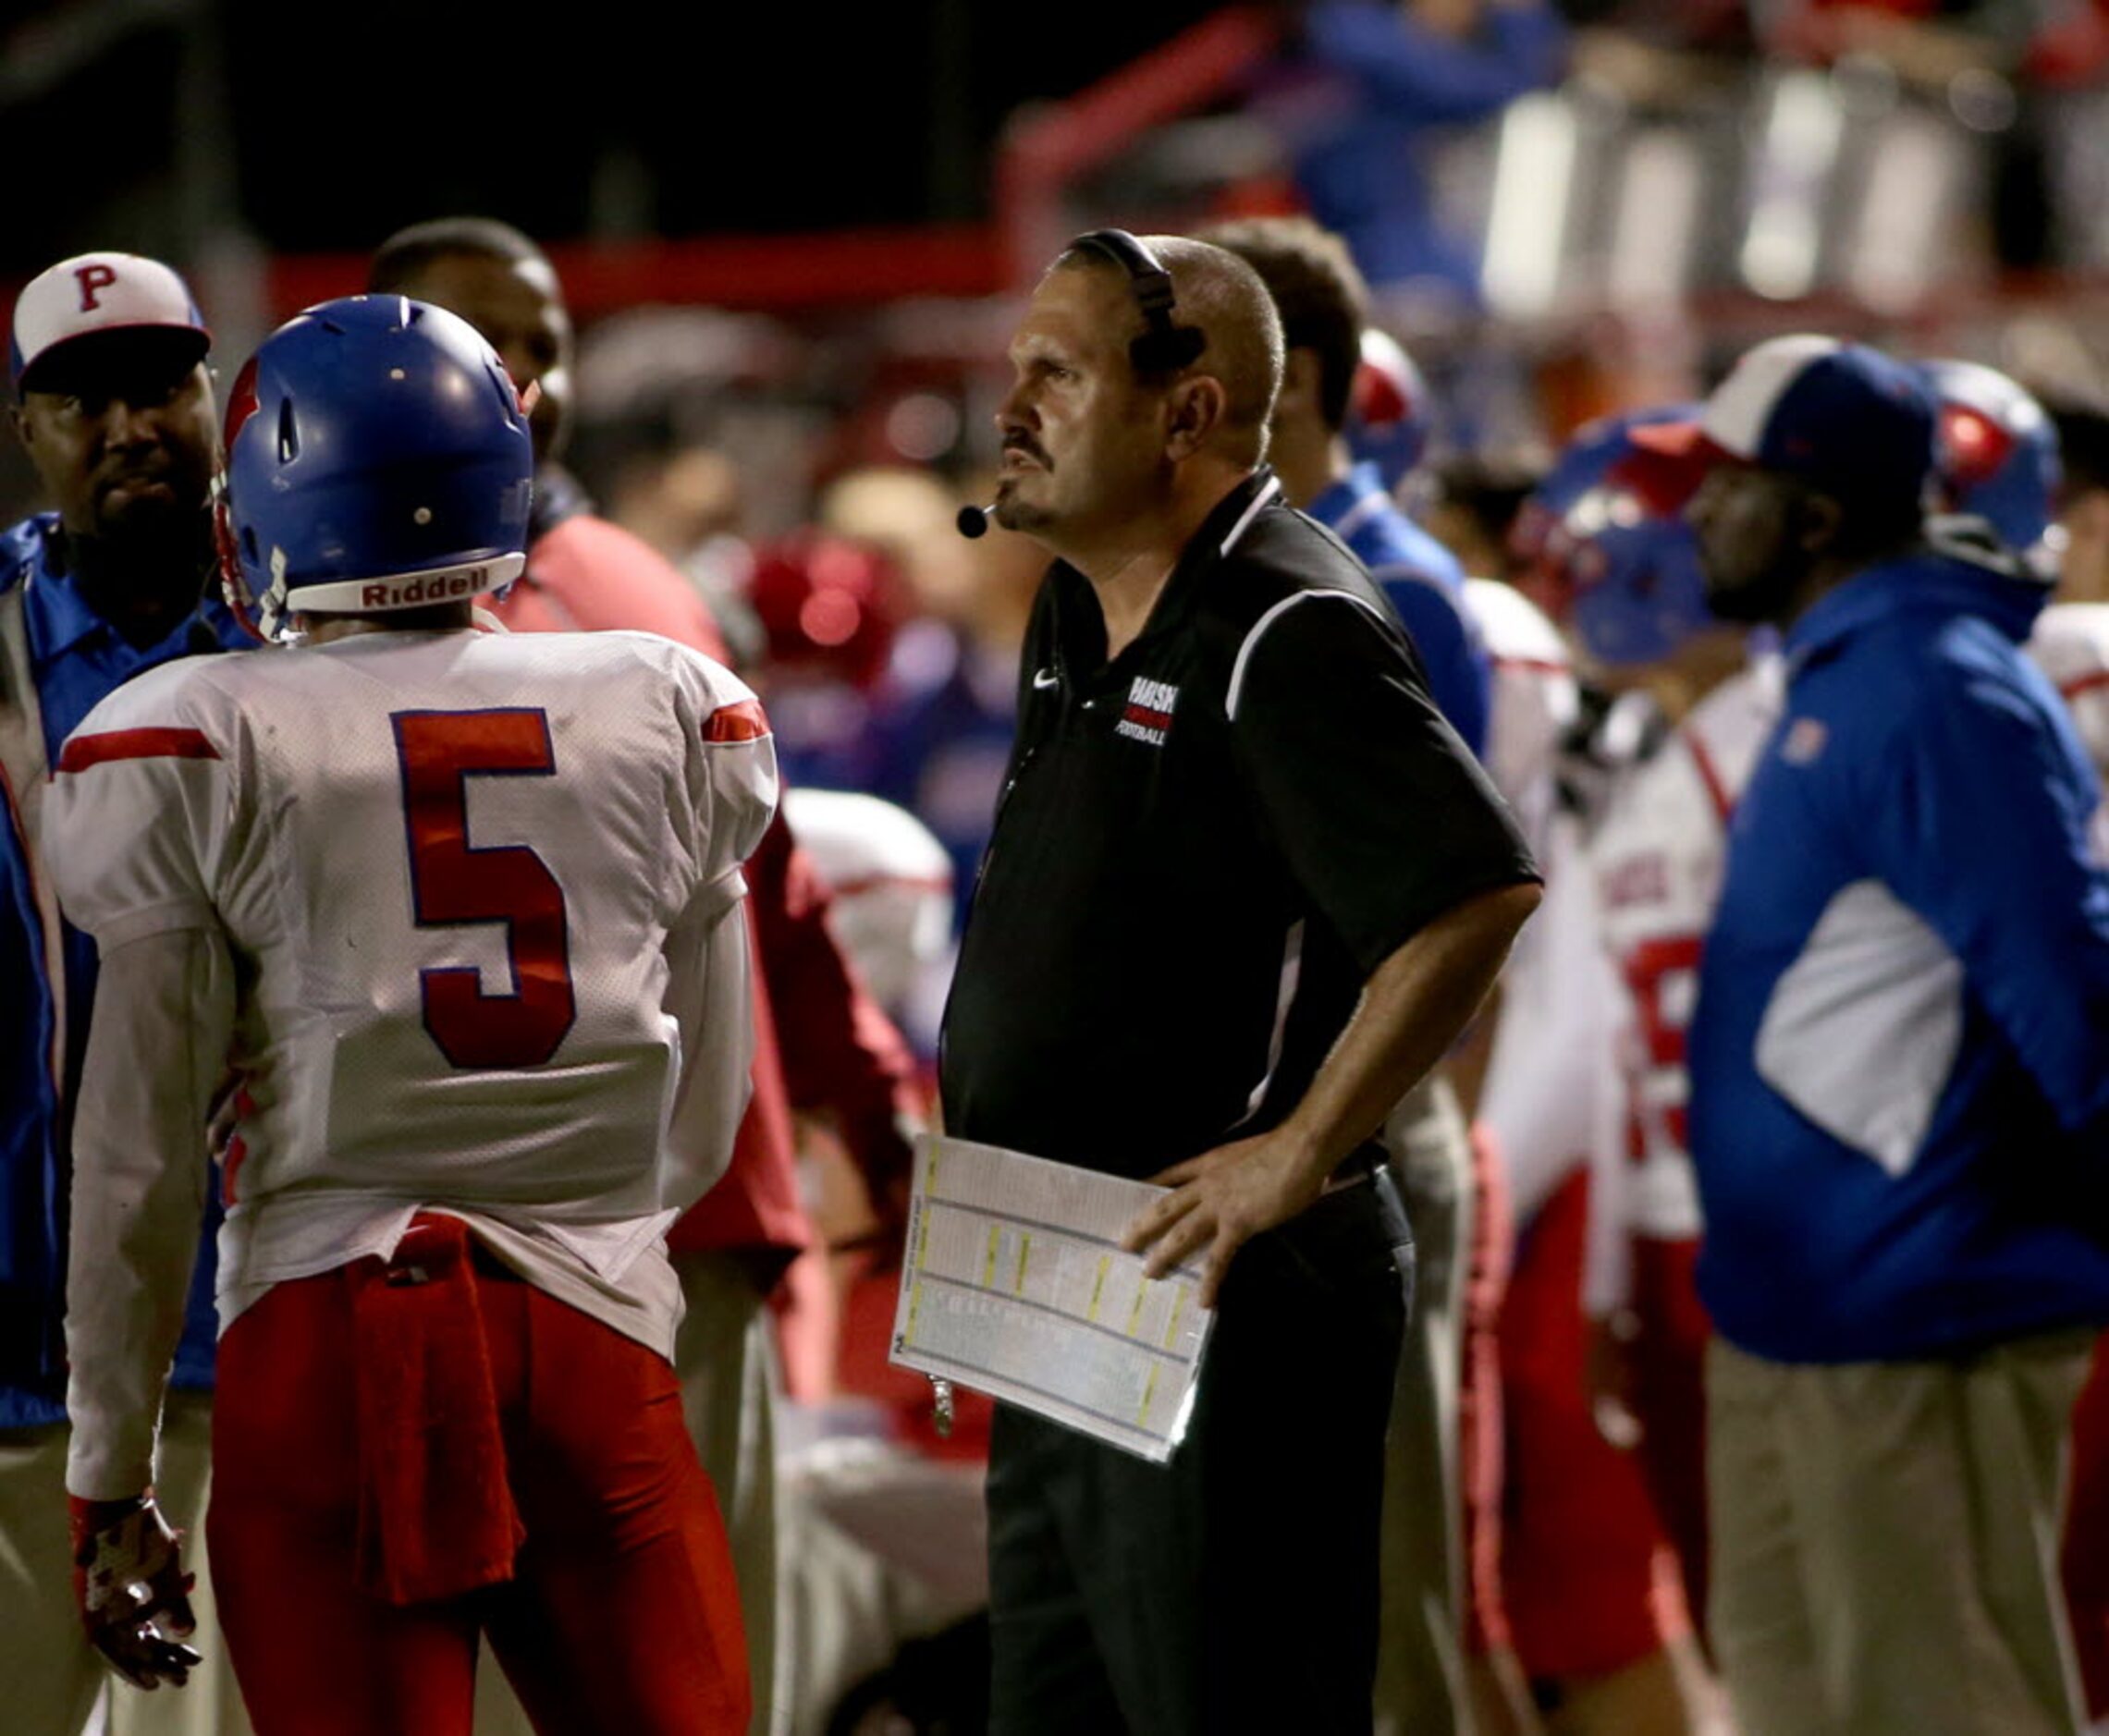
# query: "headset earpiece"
x,y
1164,347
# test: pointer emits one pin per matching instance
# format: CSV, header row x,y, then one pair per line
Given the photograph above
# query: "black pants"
x,y
1233,1589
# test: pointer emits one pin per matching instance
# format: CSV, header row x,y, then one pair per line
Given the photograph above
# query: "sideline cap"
x,y
1842,417
99,292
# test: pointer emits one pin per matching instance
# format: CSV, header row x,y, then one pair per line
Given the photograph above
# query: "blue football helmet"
x,y
1389,409
377,458
1605,541
1997,458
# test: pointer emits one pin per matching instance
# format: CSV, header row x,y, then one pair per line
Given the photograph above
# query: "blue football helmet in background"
x,y
1609,552
377,458
1997,458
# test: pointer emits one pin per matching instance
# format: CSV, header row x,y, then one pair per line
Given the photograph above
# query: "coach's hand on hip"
x,y
1224,1198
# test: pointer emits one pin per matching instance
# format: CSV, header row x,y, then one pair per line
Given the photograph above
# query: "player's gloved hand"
x,y
132,1592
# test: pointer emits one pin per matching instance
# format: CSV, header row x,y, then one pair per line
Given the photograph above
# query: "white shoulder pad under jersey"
x,y
448,863
1534,700
2071,645
1658,855
891,881
146,815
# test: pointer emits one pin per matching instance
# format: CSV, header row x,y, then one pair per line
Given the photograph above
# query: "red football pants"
x,y
2086,1555
622,1614
1668,1359
1589,1582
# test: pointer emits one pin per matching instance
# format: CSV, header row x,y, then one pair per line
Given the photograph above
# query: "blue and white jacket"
x,y
1900,1055
58,659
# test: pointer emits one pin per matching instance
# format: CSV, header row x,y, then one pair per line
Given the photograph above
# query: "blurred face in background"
x,y
518,306
122,431
2083,567
1084,452
1753,528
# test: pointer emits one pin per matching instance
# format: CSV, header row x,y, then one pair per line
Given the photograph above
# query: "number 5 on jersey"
x,y
455,882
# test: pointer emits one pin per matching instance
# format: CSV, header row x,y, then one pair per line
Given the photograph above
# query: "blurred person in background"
x,y
1469,502
2071,640
1617,550
1323,306
821,1046
943,727
2004,476
582,572
116,409
1899,1067
829,610
1392,78
2082,500
1578,1620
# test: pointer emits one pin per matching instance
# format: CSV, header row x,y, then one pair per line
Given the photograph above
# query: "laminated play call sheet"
x,y
1014,1284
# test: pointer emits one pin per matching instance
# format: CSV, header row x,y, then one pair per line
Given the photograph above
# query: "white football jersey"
x,y
472,884
1658,855
2071,645
891,881
1534,1098
1534,700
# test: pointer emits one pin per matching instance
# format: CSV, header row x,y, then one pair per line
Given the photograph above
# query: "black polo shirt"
x,y
1204,847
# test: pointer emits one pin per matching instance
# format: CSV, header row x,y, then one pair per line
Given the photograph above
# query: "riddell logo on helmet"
x,y
436,588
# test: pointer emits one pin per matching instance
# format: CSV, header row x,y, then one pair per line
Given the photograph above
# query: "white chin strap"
x,y
455,584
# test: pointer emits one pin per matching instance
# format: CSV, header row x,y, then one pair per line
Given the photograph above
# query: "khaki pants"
x,y
1886,1541
727,1364
1421,1648
51,1679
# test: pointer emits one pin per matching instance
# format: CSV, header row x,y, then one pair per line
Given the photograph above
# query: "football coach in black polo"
x,y
1245,887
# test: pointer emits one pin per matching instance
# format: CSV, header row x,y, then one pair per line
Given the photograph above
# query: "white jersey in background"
x,y
1535,1097
2070,645
1534,701
1657,856
479,894
892,881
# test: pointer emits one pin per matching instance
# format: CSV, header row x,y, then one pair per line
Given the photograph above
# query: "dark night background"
x,y
143,123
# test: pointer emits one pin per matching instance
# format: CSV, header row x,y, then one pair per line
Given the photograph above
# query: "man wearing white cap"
x,y
1899,1069
115,408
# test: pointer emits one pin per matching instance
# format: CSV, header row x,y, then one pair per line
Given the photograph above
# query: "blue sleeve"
x,y
1456,666
1979,809
1435,77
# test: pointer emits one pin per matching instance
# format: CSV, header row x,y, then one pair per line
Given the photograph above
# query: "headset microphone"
x,y
974,521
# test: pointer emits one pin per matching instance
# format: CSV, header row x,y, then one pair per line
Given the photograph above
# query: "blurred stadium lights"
x,y
1531,207
1799,131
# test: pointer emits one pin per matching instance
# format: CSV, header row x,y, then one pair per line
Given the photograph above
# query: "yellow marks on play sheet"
x,y
1178,1308
1149,1392
923,1239
1024,1247
989,1262
915,1308
1098,1287
1135,1314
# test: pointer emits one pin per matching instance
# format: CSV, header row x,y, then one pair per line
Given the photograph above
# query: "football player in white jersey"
x,y
1629,564
462,912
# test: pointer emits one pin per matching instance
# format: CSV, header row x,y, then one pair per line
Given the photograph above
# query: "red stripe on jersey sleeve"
x,y
2086,684
135,744
743,722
